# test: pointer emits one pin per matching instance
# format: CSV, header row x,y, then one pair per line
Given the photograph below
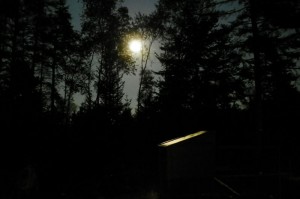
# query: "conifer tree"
x,y
199,75
270,52
105,26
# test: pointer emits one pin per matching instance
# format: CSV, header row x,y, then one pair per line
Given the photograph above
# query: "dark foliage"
x,y
230,69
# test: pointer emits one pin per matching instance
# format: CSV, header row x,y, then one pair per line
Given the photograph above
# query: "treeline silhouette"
x,y
227,66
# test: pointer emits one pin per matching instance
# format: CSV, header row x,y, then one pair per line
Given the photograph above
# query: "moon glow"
x,y
135,46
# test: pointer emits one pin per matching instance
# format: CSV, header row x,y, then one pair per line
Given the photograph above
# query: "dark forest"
x,y
227,66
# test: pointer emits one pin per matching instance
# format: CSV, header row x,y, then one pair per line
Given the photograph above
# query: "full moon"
x,y
135,46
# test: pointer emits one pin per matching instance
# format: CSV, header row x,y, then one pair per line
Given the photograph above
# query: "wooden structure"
x,y
195,166
187,165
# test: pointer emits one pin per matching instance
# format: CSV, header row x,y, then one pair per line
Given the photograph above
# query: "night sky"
x,y
143,6
134,6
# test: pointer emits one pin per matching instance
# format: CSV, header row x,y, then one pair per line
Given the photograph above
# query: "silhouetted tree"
x,y
269,45
18,83
35,41
104,29
280,13
73,73
269,52
41,35
147,28
200,73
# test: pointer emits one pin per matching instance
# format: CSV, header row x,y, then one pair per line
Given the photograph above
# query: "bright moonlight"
x,y
135,46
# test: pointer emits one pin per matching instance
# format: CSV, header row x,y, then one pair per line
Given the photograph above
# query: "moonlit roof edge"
x,y
181,139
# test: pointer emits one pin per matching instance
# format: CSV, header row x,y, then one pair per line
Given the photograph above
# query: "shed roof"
x,y
181,139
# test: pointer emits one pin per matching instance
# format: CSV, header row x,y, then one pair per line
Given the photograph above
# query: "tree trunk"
x,y
257,69
143,69
53,87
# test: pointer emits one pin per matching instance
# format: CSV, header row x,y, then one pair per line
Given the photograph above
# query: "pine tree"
x,y
269,45
270,53
37,37
199,74
104,28
147,28
18,83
